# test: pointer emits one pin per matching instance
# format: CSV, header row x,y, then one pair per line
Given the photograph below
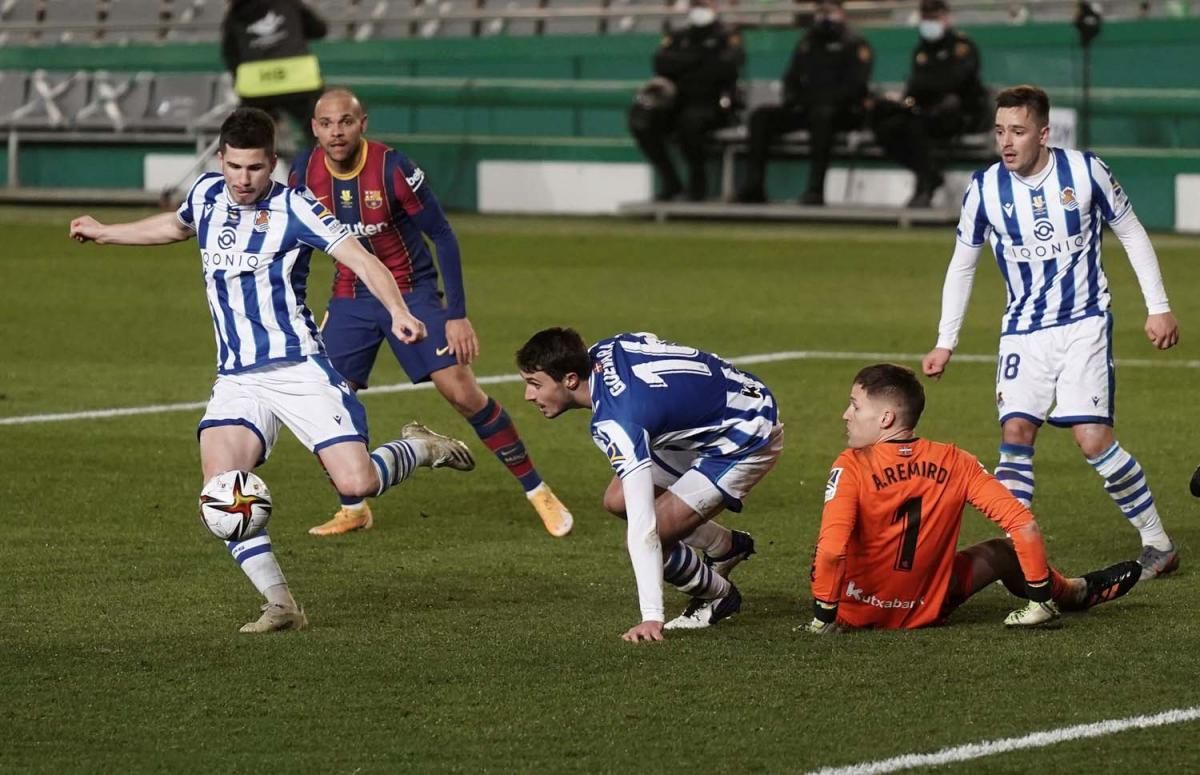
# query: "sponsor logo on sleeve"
x,y
831,486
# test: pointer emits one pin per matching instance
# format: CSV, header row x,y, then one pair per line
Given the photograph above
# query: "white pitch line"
x,y
787,355
962,753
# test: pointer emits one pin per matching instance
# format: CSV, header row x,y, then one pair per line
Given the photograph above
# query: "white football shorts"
x,y
709,484
308,396
1065,372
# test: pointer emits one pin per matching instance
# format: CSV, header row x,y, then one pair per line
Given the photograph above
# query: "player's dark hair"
x,y
248,128
1029,97
898,384
556,351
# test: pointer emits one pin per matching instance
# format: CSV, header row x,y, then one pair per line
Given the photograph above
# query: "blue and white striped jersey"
x,y
1046,234
256,259
652,395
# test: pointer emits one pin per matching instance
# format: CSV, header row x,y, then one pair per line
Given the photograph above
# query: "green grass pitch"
x,y
457,636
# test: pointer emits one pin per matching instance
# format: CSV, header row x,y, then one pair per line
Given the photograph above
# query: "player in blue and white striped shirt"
x,y
1043,209
256,237
688,435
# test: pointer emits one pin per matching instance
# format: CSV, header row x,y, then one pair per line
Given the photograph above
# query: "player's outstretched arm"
x,y
645,552
382,286
160,229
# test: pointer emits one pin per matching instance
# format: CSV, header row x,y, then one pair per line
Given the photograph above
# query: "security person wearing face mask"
x,y
694,91
824,91
944,98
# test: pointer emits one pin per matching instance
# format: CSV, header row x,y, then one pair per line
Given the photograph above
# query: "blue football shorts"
x,y
354,328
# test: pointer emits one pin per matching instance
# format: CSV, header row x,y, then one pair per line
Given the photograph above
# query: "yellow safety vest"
x,y
271,77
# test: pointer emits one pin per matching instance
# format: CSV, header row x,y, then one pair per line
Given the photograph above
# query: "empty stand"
x,y
70,21
511,25
621,22
195,20
178,100
437,19
12,93
52,101
118,101
558,23
133,21
18,22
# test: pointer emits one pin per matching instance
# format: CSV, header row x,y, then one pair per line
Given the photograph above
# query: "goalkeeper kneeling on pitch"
x,y
887,552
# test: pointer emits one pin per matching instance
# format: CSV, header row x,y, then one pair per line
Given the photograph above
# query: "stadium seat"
x,y
571,25
133,21
388,19
12,93
224,100
510,26
338,14
53,100
177,101
118,101
195,20
19,22
70,21
631,23
433,23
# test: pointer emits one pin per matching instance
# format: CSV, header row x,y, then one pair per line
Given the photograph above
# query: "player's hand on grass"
x,y
85,228
1162,330
935,362
648,631
407,328
460,336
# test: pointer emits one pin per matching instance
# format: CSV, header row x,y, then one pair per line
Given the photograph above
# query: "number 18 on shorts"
x,y
1062,374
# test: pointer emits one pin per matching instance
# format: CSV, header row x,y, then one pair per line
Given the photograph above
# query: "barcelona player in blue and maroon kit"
x,y
384,199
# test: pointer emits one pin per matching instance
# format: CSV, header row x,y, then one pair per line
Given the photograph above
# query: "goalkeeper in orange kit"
x,y
887,552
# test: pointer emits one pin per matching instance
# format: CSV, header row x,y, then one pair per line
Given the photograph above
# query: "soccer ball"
x,y
235,505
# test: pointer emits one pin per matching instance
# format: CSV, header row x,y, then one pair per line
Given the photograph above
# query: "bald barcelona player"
x,y
385,200
886,556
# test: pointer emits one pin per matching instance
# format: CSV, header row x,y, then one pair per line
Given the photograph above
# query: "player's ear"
x,y
887,419
364,122
571,381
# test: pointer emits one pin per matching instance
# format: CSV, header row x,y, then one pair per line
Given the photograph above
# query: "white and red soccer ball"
x,y
235,505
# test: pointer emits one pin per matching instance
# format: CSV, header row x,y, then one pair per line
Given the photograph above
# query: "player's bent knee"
x,y
614,499
359,483
1019,431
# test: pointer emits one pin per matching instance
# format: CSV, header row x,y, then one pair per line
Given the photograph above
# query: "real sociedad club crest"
x,y
262,220
1068,199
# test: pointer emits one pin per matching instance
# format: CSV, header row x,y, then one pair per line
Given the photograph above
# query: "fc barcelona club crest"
x,y
262,220
373,199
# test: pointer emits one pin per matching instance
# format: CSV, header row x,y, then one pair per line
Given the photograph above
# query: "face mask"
x,y
701,16
931,29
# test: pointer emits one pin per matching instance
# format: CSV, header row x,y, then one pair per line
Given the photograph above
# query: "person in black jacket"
x,y
944,98
824,91
694,92
265,46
